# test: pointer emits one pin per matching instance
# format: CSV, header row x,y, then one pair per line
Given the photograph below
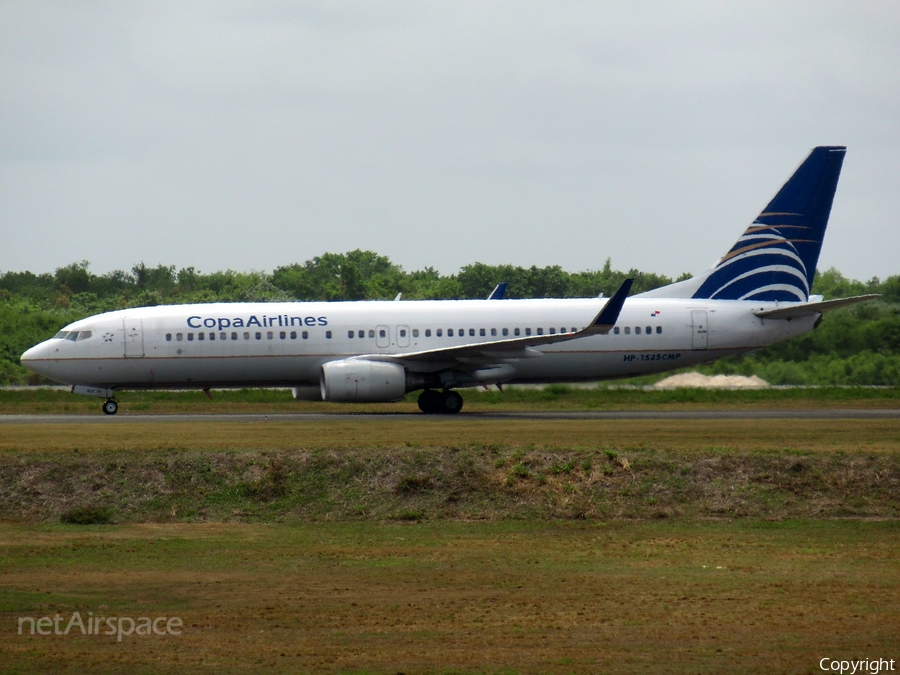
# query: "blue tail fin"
x,y
775,258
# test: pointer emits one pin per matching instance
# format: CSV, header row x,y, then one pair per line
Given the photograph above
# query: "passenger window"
x,y
440,332
328,334
304,335
540,331
371,333
212,336
293,335
658,330
179,337
361,334
481,332
234,336
517,332
637,330
493,332
350,334
527,331
471,332
627,330
616,330
402,332
258,335
552,330
190,337
168,337
505,332
223,335
246,336
270,335
382,333
282,335
649,330
427,332
201,336
449,332
415,332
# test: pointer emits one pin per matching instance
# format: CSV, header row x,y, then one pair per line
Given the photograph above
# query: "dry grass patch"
x,y
507,597
833,435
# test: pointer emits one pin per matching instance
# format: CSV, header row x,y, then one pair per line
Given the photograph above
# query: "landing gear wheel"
x,y
430,402
451,402
433,402
110,407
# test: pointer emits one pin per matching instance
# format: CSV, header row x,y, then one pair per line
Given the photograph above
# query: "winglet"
x,y
499,291
608,316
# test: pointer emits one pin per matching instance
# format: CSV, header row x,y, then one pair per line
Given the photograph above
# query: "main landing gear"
x,y
110,407
432,402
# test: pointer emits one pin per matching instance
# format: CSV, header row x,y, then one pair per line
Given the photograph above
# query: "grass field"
x,y
451,597
462,545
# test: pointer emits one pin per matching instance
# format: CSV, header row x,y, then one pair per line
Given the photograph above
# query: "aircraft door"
x,y
403,336
133,330
700,339
382,336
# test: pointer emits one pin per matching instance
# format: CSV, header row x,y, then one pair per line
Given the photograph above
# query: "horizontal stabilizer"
x,y
810,308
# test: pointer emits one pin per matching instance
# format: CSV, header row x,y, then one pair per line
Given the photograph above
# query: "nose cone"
x,y
35,359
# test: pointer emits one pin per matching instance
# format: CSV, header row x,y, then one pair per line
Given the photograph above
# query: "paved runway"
x,y
125,418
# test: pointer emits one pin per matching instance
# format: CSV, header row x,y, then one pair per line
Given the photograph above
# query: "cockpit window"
x,y
84,335
72,336
61,335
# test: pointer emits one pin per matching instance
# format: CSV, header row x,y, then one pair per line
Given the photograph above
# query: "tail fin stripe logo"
x,y
772,288
759,227
769,245
768,248
785,269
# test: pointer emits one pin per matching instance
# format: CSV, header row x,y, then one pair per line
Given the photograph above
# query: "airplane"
x,y
378,351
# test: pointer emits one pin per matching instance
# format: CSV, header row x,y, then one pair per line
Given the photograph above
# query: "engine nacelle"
x,y
362,381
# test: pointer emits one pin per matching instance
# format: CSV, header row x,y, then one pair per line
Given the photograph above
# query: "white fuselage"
x,y
286,344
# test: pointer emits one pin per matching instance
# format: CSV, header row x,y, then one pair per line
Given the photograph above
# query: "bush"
x,y
88,515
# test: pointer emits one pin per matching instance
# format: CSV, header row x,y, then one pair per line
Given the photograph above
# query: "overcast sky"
x,y
249,135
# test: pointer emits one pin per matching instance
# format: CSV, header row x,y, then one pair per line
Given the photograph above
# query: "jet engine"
x,y
361,381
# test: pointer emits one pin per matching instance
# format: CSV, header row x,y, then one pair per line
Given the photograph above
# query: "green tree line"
x,y
858,345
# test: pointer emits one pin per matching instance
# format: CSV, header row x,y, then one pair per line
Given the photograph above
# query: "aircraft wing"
x,y
515,348
810,308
